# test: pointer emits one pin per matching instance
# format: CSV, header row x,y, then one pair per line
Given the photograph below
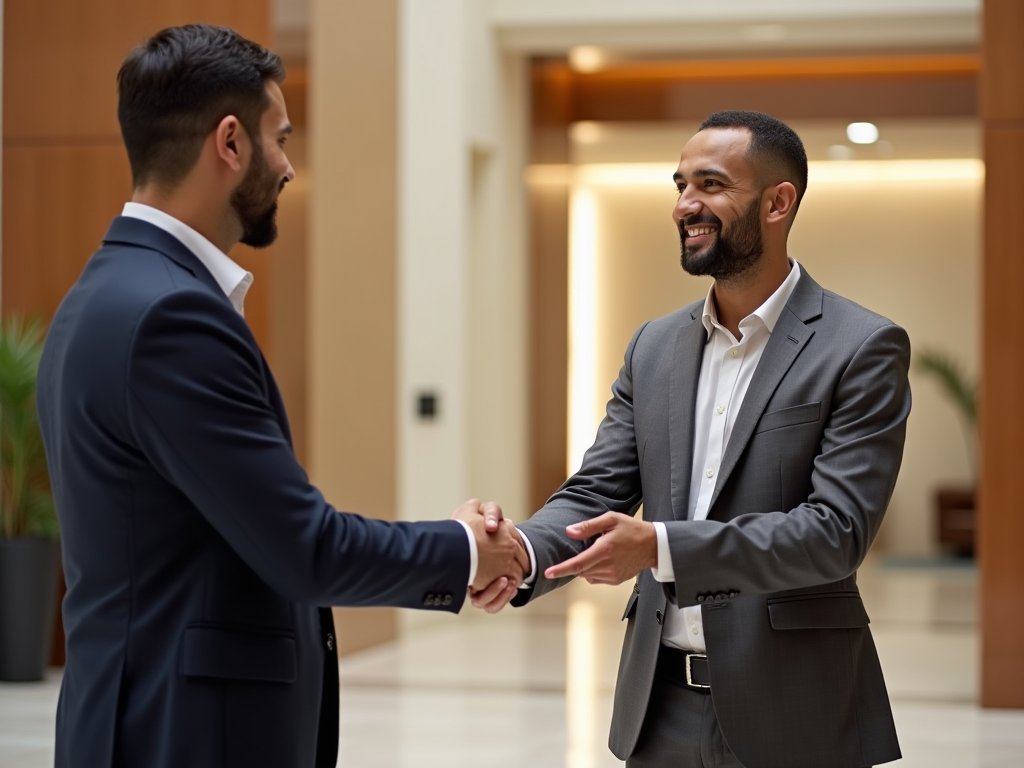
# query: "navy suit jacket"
x,y
196,551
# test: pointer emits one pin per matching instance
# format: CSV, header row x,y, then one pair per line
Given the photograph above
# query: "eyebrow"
x,y
677,176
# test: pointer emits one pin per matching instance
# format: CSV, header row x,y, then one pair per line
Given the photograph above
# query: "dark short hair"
x,y
776,148
177,86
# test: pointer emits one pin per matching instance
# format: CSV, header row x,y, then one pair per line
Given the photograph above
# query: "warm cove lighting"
x,y
862,133
582,321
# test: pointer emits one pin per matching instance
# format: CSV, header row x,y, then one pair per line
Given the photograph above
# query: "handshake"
x,y
502,559
616,548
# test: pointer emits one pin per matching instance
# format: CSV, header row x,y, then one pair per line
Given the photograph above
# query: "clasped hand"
x,y
502,560
623,547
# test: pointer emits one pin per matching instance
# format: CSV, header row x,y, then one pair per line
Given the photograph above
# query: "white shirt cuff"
x,y
528,581
664,572
474,558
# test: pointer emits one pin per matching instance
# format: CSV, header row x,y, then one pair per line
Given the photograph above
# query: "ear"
x,y
783,199
231,142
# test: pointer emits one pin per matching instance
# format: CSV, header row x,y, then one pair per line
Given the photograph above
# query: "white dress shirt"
x,y
231,278
726,370
235,282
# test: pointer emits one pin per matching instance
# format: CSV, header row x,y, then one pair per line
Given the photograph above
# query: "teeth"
x,y
698,231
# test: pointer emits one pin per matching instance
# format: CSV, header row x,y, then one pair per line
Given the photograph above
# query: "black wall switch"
x,y
426,405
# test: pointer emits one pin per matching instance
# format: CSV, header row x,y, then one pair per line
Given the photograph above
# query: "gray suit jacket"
x,y
805,480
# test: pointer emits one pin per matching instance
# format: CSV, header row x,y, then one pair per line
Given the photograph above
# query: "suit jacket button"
x,y
700,598
428,600
659,616
734,593
330,641
719,596
447,600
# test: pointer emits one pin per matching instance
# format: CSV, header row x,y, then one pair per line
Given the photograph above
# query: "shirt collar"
x,y
232,279
768,313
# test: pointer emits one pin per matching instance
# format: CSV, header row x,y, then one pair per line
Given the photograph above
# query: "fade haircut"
x,y
177,86
776,150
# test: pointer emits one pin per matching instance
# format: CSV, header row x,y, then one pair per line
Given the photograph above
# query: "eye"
x,y
680,186
711,183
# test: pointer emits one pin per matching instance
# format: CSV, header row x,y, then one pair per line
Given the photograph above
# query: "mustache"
x,y
696,221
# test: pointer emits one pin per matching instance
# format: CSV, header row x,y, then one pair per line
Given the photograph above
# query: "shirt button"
x,y
710,473
735,353
721,409
695,631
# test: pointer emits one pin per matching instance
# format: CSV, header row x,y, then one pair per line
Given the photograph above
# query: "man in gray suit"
x,y
762,429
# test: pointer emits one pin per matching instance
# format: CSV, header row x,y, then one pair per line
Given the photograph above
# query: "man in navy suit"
x,y
196,551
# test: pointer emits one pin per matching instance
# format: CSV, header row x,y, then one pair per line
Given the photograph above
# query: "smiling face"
x,y
718,212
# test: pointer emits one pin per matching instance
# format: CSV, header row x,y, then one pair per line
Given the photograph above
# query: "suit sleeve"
x,y
608,480
827,537
198,406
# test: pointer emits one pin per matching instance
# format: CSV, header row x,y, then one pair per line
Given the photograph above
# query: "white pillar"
x,y
461,261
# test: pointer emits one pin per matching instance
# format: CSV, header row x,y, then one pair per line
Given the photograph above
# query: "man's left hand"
x,y
624,547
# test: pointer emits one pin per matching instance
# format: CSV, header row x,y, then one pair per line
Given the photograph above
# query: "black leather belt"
x,y
685,668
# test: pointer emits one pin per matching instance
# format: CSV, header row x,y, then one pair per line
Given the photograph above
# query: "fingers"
x,y
490,592
590,528
574,566
491,599
492,516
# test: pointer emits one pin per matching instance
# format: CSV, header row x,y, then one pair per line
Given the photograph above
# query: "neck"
x,y
213,219
735,298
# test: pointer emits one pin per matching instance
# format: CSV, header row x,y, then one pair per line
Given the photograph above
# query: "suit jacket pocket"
x,y
630,605
789,417
835,610
238,654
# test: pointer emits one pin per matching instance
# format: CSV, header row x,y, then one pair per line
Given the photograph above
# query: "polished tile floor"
x,y
533,686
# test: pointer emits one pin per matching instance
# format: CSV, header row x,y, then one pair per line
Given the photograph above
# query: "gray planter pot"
x,y
28,592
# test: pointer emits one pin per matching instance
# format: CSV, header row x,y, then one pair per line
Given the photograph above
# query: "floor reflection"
x,y
533,686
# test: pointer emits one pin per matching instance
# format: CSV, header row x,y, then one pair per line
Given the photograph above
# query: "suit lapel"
x,y
787,340
686,363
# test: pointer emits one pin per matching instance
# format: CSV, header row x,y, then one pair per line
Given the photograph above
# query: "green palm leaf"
x,y
26,506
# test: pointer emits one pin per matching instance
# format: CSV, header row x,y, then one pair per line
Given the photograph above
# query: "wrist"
x,y
651,545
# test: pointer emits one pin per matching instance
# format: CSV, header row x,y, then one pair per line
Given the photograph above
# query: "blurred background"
x,y
481,219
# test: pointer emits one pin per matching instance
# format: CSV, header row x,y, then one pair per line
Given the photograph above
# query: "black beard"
x,y
255,202
732,252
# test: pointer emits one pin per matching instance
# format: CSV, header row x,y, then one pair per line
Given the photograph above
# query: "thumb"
x,y
589,528
492,516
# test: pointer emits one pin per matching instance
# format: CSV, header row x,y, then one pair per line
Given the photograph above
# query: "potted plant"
x,y
29,548
955,504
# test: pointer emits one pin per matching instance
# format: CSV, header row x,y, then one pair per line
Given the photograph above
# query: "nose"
x,y
289,174
686,206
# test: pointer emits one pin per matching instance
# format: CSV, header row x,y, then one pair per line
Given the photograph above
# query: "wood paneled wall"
x,y
1001,498
65,170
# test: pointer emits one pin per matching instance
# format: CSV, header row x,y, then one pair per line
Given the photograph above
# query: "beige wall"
x,y
351,270
908,250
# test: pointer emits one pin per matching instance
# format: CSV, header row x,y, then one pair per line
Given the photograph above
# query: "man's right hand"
x,y
500,554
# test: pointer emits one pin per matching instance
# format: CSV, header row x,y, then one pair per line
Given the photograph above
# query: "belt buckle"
x,y
689,677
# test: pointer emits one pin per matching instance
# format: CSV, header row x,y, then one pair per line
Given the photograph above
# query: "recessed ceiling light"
x,y
585,132
862,133
587,58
